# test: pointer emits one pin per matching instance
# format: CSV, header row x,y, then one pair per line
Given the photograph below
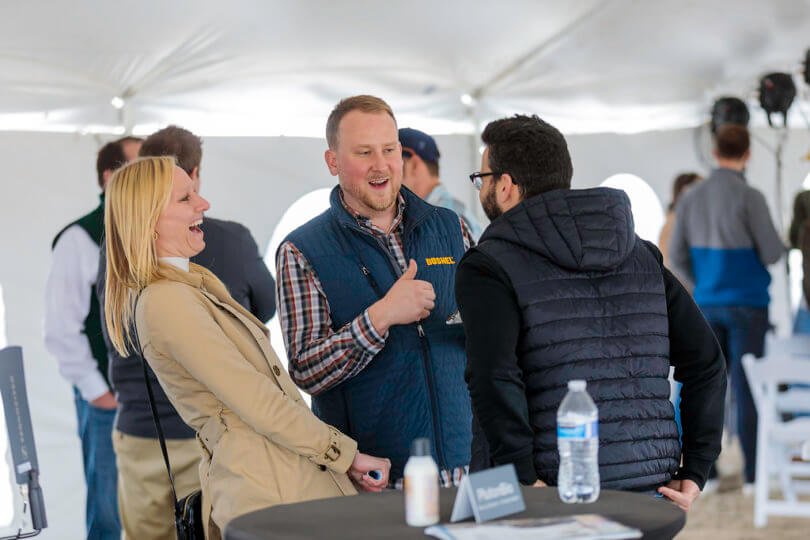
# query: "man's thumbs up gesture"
x,y
409,300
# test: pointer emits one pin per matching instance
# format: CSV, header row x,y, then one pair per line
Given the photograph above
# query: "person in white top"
x,y
73,336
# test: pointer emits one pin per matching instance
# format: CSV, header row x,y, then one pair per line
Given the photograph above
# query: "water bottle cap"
x,y
577,385
420,447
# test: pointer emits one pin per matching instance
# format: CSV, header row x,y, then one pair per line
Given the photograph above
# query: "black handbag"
x,y
188,518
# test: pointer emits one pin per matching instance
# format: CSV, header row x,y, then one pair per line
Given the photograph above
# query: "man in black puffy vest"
x,y
561,288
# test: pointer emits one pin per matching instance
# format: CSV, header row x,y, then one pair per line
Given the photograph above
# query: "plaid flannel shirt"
x,y
320,357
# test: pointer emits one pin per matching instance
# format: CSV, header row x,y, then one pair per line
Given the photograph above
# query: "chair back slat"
x,y
777,370
766,374
793,401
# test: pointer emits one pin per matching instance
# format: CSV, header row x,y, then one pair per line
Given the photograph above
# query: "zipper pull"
x,y
365,270
420,330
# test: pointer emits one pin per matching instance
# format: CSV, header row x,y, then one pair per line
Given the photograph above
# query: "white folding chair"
x,y
779,441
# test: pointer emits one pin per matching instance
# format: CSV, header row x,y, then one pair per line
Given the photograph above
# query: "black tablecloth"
x,y
382,515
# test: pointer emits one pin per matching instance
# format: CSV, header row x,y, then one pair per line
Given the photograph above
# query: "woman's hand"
x,y
362,464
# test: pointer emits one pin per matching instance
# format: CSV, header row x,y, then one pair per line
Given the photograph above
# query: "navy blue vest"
x,y
415,386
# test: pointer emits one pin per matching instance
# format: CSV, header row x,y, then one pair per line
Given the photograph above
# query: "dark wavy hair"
x,y
110,157
533,152
682,181
175,141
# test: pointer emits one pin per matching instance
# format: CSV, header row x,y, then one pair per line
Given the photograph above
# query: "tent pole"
x,y
780,146
475,158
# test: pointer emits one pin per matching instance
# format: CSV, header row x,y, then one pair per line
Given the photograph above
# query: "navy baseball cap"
x,y
420,143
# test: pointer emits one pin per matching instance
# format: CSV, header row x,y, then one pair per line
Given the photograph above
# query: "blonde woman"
x,y
261,445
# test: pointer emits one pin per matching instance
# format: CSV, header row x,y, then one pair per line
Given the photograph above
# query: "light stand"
x,y
777,151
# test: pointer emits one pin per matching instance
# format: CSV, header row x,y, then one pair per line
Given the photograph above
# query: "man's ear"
x,y
508,191
746,156
330,156
195,173
105,176
505,185
411,163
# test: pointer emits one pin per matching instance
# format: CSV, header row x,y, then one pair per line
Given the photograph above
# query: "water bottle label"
x,y
578,431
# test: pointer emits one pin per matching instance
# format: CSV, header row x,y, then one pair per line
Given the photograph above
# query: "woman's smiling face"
x,y
179,234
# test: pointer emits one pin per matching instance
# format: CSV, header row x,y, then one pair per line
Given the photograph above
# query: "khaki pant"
x,y
144,496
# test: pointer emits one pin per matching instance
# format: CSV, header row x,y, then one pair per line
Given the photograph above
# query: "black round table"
x,y
382,515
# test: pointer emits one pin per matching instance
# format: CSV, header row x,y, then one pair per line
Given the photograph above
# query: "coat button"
x,y
276,370
322,467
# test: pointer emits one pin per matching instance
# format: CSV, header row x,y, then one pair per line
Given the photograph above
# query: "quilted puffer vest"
x,y
594,307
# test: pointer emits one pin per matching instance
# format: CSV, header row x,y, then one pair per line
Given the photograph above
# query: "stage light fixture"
x,y
776,94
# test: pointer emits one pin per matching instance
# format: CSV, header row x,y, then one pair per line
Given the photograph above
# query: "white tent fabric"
x,y
252,67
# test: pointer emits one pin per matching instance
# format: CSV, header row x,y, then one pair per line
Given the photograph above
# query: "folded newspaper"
x,y
581,527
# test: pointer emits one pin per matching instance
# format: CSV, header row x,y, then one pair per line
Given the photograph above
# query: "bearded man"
x,y
366,301
559,288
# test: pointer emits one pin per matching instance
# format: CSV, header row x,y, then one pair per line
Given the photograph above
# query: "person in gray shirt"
x,y
722,241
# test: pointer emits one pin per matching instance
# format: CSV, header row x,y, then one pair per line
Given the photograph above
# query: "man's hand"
x,y
539,483
681,492
105,401
409,300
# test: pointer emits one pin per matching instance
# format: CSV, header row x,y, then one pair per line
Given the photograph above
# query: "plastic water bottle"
x,y
421,486
578,443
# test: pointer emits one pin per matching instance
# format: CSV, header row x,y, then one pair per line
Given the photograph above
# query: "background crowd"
x,y
375,297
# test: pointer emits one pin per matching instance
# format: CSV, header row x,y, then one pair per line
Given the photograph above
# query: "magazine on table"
x,y
580,527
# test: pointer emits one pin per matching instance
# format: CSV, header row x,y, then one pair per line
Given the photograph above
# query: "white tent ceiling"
x,y
277,67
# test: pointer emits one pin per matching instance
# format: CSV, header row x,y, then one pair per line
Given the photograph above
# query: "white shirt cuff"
x,y
92,386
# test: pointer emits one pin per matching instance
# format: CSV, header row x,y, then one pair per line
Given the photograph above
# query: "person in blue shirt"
x,y
420,174
722,241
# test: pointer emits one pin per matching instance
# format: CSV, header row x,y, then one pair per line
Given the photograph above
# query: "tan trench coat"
x,y
261,445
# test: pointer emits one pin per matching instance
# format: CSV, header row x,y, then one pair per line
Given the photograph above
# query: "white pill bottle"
x,y
421,486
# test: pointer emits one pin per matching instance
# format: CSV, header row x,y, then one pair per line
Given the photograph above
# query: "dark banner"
x,y
18,417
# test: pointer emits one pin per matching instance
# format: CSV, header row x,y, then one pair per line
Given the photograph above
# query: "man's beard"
x,y
490,206
370,201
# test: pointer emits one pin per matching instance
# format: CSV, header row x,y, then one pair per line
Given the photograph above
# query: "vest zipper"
x,y
434,405
391,259
425,346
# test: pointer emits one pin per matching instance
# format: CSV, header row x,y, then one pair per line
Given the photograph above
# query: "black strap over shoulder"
x,y
158,427
187,512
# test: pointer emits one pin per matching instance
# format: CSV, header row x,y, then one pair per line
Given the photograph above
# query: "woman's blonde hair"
x,y
135,197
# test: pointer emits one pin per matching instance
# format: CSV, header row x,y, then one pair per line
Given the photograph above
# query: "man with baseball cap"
x,y
421,175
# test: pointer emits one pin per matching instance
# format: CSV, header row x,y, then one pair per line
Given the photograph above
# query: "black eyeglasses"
x,y
476,177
